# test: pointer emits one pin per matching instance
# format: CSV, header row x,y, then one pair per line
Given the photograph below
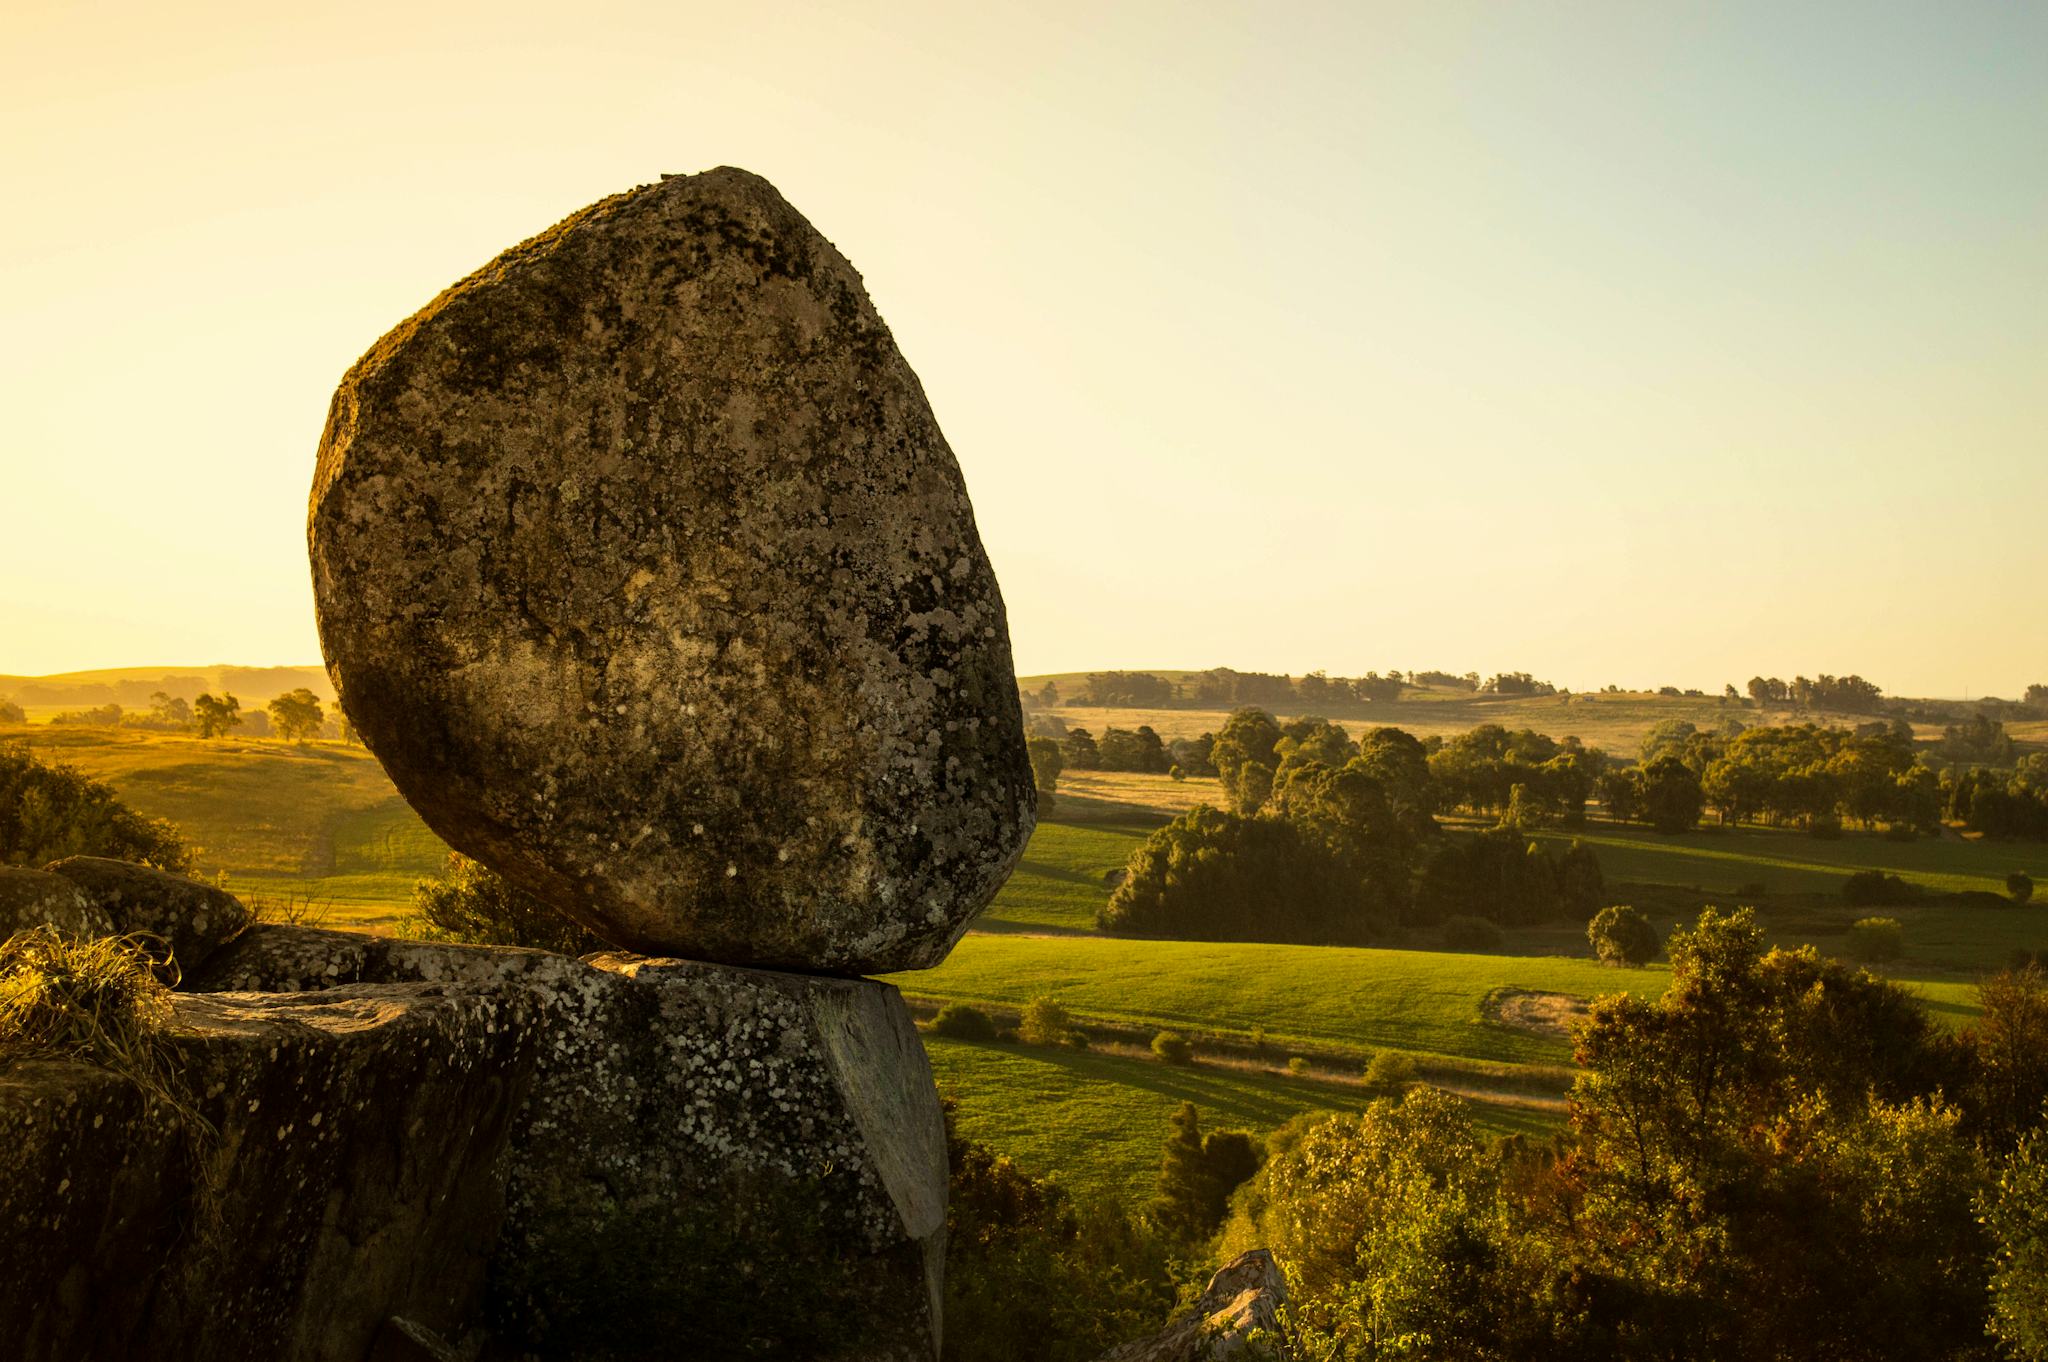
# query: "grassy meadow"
x,y
321,821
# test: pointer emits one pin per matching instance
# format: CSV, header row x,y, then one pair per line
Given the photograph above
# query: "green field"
x,y
1097,1121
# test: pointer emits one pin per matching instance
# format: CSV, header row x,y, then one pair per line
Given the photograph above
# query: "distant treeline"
x,y
1319,692
139,692
296,716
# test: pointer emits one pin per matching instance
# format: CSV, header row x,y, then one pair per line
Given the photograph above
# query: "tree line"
x,y
296,716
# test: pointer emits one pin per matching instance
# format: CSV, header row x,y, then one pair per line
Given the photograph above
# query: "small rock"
x,y
192,918
36,898
1243,1298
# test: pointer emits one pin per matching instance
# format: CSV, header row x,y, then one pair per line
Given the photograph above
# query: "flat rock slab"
x,y
642,565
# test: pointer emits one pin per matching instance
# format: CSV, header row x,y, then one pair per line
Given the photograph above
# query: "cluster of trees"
x,y
295,716
1783,1158
1845,694
1492,770
50,811
1118,749
1327,840
1226,687
1802,775
2002,804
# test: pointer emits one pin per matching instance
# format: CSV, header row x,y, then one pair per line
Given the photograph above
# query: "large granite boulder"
x,y
707,1162
642,565
36,898
192,919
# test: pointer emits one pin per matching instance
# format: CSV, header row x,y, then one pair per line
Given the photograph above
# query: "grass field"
x,y
1097,1122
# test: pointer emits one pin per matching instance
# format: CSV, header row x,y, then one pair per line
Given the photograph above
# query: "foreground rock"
x,y
1238,1316
706,1161
192,919
644,568
36,898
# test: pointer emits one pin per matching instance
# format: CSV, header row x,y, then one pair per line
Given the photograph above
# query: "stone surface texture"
x,y
193,919
707,1161
1241,1302
642,565
36,898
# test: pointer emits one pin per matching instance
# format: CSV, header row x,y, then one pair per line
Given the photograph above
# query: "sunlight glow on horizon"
x,y
1615,344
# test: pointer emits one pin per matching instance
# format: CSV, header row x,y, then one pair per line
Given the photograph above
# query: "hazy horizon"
x,y
1616,345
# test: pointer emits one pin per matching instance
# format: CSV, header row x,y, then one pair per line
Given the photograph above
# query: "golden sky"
x,y
1615,342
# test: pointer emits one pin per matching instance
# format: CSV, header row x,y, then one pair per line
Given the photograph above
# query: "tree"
x,y
2008,1047
1047,761
1622,936
1876,939
1078,747
296,715
1671,795
11,713
2015,1213
1244,757
468,901
1045,1021
1212,875
1197,1174
2020,886
215,716
49,812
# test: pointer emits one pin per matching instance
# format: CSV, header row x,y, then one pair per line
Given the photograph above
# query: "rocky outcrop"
x,y
1238,1316
350,1166
191,918
36,898
644,568
707,1161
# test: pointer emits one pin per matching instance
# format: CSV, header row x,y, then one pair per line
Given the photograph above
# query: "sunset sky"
x,y
1616,342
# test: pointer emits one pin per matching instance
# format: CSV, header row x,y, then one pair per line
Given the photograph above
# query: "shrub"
x,y
2015,1214
962,1022
2020,885
1197,1174
1390,1072
1297,1066
48,812
1876,938
1467,933
1752,891
1622,936
1870,888
1045,1022
11,713
1173,1047
470,902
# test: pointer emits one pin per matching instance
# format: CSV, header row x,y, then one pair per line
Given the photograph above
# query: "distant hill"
x,y
131,687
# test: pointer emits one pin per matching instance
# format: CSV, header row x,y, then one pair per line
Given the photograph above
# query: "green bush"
x,y
2020,885
1876,938
1468,933
1045,1022
470,902
1390,1072
962,1022
48,812
1873,888
1173,1047
1297,1066
1622,936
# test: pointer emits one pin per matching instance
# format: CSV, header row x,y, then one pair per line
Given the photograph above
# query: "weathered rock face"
x,y
36,898
194,919
708,1162
1241,1303
643,567
357,1171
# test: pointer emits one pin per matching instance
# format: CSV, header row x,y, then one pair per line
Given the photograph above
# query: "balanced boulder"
x,y
642,565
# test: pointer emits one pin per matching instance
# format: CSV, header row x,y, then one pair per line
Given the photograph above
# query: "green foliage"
x,y
962,1022
214,715
1215,876
1467,933
1031,1277
1047,761
1123,750
48,812
1499,875
2008,1047
1622,936
1876,939
1197,1174
2020,886
1045,1022
1244,757
1671,795
468,901
1297,1066
1173,1048
1391,1072
2015,1214
1079,752
1871,888
296,716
